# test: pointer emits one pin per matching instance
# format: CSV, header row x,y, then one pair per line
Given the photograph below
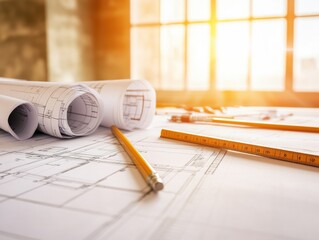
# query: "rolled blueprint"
x,y
18,117
64,110
128,104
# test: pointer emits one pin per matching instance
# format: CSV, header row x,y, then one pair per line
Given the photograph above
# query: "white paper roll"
x,y
64,110
18,117
128,104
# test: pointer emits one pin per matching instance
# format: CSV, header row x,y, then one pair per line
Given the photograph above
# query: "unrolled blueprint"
x,y
87,188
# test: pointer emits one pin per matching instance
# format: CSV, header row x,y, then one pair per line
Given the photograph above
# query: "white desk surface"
x,y
87,188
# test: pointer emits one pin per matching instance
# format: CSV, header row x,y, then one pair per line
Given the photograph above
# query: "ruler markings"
x,y
266,151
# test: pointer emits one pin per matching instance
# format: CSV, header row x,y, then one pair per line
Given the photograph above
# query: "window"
x,y
228,52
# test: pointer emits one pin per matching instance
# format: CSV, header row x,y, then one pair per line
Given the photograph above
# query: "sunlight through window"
x,y
306,67
226,45
265,8
198,10
232,9
232,49
172,57
268,51
172,10
198,56
145,55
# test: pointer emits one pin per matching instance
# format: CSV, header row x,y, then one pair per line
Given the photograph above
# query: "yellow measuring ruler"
x,y
276,153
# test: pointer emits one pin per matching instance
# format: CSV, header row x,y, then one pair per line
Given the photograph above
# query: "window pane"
x,y
268,55
198,10
228,9
263,8
145,54
307,7
306,55
144,11
232,45
172,57
172,10
198,56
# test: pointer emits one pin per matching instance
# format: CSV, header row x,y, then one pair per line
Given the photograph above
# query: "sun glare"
x,y
198,56
177,49
232,49
198,10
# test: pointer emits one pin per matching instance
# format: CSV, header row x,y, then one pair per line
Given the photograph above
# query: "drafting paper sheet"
x,y
87,188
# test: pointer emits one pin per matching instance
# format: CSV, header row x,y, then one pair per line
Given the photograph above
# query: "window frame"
x,y
215,97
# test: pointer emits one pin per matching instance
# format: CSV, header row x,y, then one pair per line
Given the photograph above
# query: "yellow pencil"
x,y
257,124
269,125
148,173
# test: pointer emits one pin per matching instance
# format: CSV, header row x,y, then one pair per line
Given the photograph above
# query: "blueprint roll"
x,y
128,104
18,117
63,110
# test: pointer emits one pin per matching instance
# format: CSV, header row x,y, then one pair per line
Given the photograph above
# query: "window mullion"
x,y
290,45
213,23
249,65
185,46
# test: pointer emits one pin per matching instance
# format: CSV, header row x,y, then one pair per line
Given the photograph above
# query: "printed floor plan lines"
x,y
88,188
87,177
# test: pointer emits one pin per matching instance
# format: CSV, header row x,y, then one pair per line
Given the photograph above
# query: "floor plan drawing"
x,y
88,188
48,183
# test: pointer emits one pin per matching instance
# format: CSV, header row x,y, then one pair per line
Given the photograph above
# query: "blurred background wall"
x,y
64,40
23,48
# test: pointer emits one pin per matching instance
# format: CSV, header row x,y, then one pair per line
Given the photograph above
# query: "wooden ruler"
x,y
276,153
